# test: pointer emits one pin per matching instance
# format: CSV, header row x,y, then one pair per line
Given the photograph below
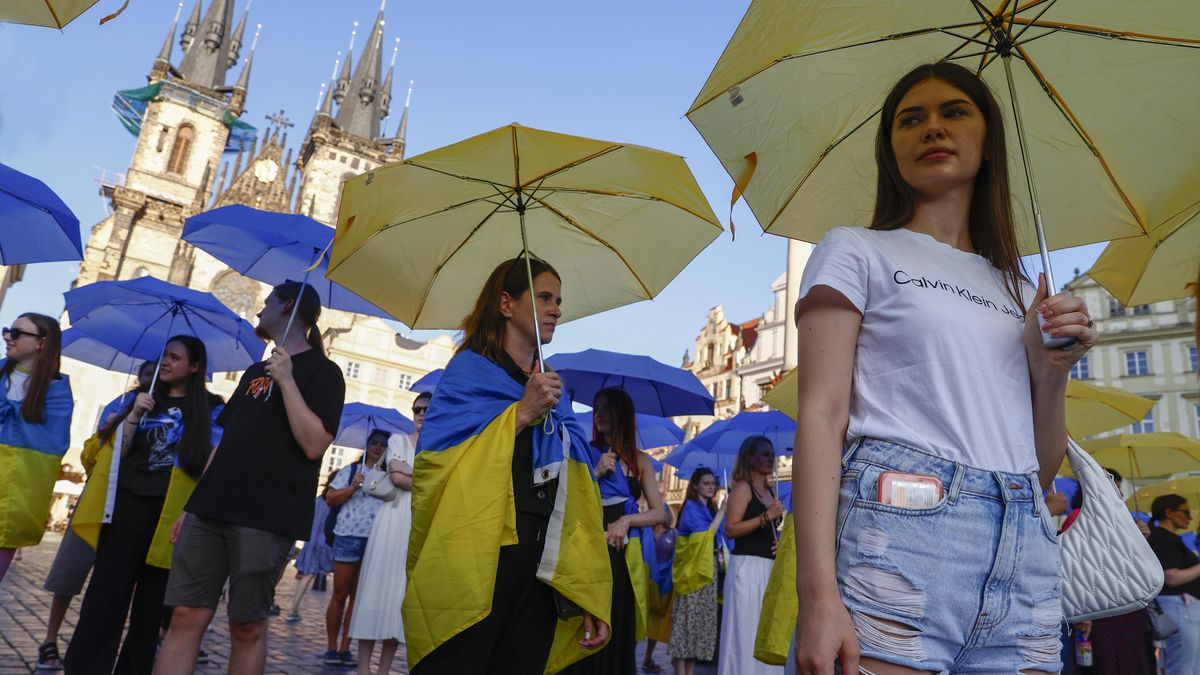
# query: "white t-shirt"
x,y
18,384
941,364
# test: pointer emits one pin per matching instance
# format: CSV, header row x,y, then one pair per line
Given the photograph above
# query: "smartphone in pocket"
x,y
909,490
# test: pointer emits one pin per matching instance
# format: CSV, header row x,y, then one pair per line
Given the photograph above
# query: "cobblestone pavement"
x,y
293,647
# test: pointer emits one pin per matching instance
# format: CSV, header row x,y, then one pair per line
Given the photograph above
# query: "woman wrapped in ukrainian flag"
x,y
506,571
625,475
35,430
164,440
694,574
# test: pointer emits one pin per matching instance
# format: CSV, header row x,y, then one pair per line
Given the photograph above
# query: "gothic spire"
x,y
343,80
235,43
190,28
206,61
325,102
164,54
401,131
387,82
244,79
358,113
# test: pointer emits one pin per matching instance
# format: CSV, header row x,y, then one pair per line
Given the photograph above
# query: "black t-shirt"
x,y
527,497
146,468
1174,555
260,477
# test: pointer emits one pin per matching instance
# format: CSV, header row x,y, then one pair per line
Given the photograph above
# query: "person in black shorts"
x,y
255,498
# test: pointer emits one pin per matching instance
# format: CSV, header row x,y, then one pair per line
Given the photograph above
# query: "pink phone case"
x,y
909,490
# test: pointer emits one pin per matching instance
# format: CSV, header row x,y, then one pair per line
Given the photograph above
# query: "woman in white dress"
x,y
382,580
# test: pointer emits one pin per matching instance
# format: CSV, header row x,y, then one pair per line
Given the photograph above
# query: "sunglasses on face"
x,y
420,409
15,334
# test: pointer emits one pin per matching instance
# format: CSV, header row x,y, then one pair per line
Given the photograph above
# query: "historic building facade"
x,y
184,162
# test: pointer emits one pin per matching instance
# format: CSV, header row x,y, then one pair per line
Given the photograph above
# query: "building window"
x,y
1081,370
1193,360
406,381
354,163
1137,363
332,155
352,370
1115,308
1141,310
1197,419
1146,426
233,376
181,149
381,376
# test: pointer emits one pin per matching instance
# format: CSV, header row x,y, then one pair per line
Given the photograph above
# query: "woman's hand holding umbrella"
x,y
1066,314
542,393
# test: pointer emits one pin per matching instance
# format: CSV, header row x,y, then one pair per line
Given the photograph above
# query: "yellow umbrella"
x,y
49,13
1090,409
617,221
1143,455
1160,266
1187,487
1092,92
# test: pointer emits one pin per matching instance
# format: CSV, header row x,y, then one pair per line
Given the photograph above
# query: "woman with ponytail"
x,y
35,429
1177,599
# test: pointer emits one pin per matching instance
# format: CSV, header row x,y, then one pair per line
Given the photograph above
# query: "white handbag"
x,y
378,483
1108,568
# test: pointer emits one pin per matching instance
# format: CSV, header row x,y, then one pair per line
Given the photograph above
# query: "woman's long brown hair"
x,y
741,466
483,328
623,432
45,368
991,228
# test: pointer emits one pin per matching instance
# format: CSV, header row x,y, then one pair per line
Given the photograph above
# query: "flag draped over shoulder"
x,y
30,457
463,511
694,548
96,499
615,485
777,619
659,599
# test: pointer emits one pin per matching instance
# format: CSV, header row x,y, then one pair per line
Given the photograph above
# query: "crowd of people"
x,y
929,426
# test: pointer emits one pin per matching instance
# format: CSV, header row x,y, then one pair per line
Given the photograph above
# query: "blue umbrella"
x,y
274,248
80,346
652,431
136,317
35,224
655,387
360,419
428,382
725,436
687,458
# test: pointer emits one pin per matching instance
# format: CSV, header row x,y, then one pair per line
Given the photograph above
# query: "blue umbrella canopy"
x,y
360,419
656,388
428,382
725,436
687,458
80,346
273,248
35,224
652,431
136,317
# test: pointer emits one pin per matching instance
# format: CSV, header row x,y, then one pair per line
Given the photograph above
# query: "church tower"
x,y
345,141
184,120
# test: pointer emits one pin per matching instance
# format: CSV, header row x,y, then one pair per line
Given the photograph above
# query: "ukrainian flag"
x,y
659,599
695,542
777,619
97,498
463,511
30,457
614,489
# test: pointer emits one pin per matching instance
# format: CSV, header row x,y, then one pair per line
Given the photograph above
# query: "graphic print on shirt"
x,y
258,387
903,278
163,433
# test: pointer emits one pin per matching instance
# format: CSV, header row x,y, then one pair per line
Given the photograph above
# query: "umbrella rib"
x,y
1095,31
1065,110
434,277
1032,22
603,241
574,163
627,195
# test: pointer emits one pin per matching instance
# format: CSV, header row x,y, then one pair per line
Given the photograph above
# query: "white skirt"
x,y
745,585
382,578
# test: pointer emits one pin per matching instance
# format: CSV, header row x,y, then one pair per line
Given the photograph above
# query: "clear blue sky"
x,y
619,70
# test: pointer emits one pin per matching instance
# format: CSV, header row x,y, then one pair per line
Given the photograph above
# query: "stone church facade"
x,y
182,165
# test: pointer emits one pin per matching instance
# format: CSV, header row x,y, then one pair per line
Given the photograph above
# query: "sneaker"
x,y
274,610
202,657
48,657
332,658
292,617
348,659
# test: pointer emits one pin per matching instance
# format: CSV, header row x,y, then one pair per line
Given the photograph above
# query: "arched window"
x,y
181,149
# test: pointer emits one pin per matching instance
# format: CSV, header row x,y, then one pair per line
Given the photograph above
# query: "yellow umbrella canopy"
x,y
1160,266
1144,455
1090,409
791,107
49,13
1187,487
617,221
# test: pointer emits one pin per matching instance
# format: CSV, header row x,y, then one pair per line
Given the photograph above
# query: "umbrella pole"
x,y
292,318
537,329
1043,247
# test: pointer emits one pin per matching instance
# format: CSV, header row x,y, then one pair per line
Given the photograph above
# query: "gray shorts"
x,y
208,552
71,565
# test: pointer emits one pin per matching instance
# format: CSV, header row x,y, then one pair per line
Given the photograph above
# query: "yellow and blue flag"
x,y
30,457
659,598
614,489
463,511
777,619
695,542
97,498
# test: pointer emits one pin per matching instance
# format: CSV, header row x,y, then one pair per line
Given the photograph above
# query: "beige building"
x,y
1149,350
184,162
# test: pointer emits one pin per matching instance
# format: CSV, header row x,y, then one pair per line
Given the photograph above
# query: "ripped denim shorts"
x,y
968,585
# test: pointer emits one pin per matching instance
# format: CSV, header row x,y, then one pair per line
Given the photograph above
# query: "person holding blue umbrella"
x,y
254,500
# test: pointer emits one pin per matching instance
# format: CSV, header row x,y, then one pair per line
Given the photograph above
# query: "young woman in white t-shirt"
x,y
920,354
